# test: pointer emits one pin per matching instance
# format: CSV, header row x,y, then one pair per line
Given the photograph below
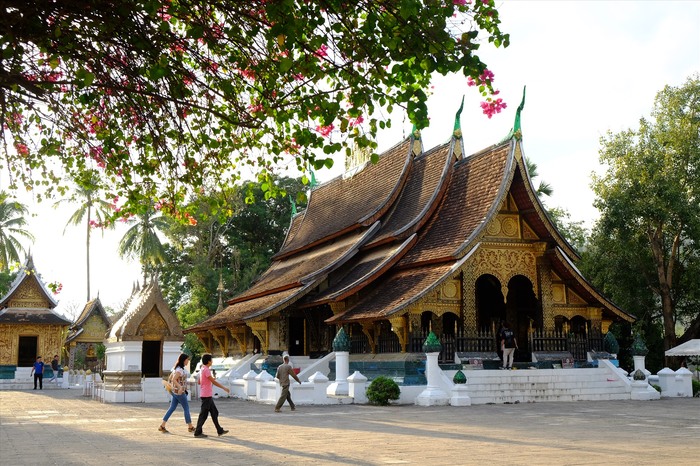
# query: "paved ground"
x,y
61,427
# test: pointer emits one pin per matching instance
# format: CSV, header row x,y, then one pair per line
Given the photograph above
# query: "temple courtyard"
x,y
62,427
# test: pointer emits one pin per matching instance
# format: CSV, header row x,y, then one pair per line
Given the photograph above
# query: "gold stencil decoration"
x,y
153,326
558,294
509,227
29,295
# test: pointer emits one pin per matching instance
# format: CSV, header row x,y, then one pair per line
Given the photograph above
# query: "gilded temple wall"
x,y
49,340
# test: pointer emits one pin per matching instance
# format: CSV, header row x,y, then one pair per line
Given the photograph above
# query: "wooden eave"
x,y
567,271
376,263
236,313
397,291
363,198
425,186
303,268
14,315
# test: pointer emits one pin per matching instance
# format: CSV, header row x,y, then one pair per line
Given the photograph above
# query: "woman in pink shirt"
x,y
206,380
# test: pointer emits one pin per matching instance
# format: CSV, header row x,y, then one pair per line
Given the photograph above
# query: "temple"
x,y
29,325
423,240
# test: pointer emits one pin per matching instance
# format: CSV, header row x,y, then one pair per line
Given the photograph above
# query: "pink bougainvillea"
x,y
325,131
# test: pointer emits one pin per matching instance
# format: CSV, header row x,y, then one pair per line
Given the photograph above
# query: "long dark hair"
x,y
181,360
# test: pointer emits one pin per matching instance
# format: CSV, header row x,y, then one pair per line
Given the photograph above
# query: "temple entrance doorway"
x,y
490,306
26,354
523,311
296,336
150,358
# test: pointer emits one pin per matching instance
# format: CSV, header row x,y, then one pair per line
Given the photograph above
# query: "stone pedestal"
x,y
459,396
357,388
342,371
433,395
676,384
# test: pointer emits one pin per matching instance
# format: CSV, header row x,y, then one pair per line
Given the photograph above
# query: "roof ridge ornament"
x,y
417,144
457,131
458,149
516,132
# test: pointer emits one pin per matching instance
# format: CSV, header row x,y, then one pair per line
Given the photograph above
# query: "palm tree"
x,y
12,220
544,189
89,205
141,241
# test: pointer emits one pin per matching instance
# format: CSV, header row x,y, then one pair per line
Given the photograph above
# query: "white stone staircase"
x,y
541,385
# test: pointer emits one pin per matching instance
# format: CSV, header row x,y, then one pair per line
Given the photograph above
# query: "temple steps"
x,y
540,385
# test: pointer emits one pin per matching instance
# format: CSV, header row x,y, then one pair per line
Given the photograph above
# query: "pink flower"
x,y
356,121
491,107
322,51
459,2
255,108
22,149
325,131
470,81
248,74
487,75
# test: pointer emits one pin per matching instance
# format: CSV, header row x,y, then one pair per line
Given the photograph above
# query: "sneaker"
x,y
162,429
277,410
223,432
201,435
294,409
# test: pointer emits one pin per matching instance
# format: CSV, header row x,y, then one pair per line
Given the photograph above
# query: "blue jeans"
x,y
182,399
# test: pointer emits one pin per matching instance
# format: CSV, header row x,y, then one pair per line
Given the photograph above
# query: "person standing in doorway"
x,y
284,371
178,380
38,371
508,345
54,368
206,380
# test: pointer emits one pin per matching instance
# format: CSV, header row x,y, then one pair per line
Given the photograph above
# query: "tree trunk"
x,y
664,272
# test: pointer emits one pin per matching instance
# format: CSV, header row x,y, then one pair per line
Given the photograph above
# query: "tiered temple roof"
x,y
394,231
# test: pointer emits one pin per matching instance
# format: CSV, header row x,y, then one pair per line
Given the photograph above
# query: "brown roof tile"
x,y
421,194
238,312
395,292
360,272
295,270
476,184
345,203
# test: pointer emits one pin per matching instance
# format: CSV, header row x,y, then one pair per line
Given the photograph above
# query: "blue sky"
x,y
589,67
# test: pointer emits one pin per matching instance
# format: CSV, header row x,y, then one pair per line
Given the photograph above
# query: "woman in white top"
x,y
178,380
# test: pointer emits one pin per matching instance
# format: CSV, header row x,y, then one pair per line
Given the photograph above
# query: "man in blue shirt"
x,y
38,371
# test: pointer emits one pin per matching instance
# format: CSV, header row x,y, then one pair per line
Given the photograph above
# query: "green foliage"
x,y
235,251
12,224
574,231
381,390
656,387
644,251
6,279
696,388
162,98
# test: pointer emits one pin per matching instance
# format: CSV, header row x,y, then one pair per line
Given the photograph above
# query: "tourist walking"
x,y
178,381
54,368
508,345
38,371
206,380
284,371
